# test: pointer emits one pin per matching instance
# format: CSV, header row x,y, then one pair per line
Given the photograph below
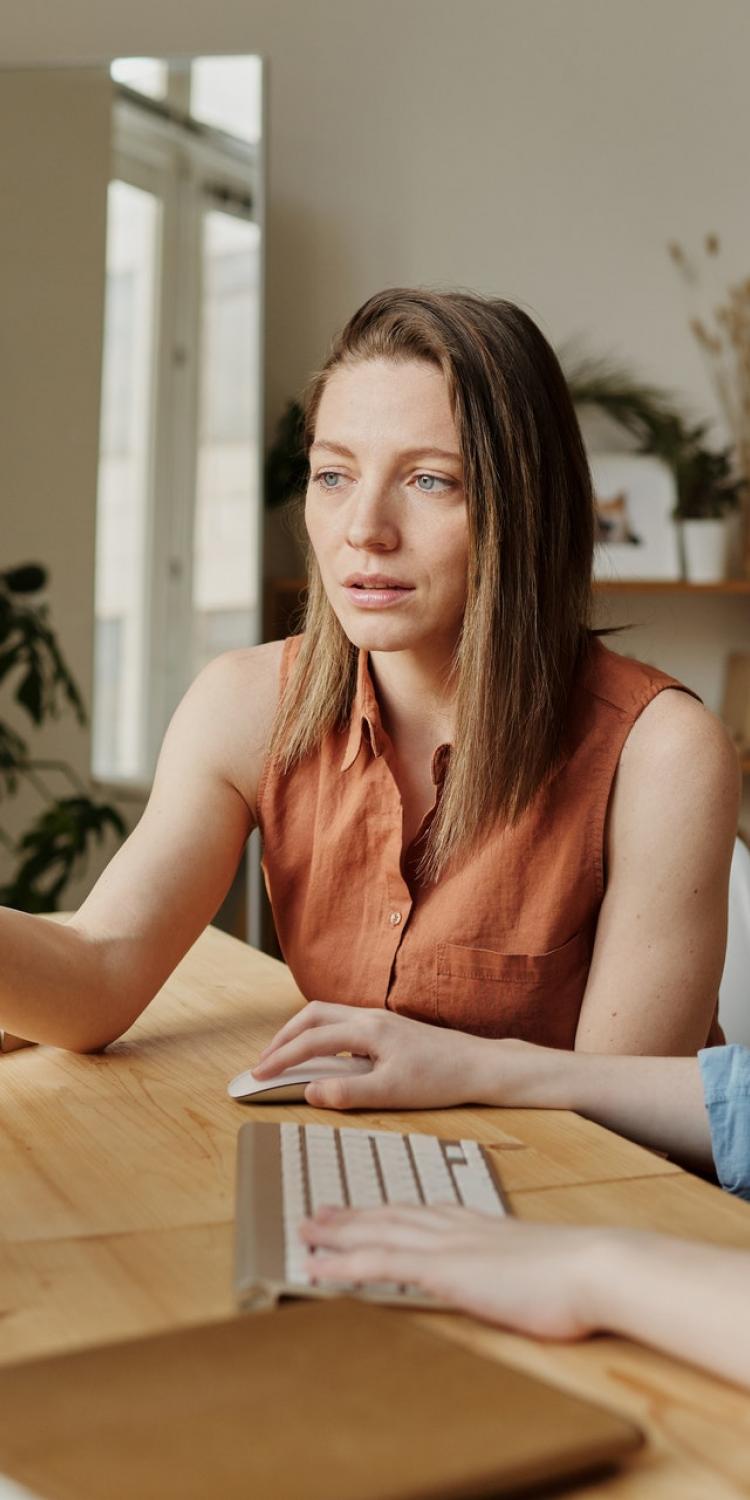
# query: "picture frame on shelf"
x,y
637,538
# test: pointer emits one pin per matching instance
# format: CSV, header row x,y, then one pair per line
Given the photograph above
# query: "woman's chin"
x,y
372,633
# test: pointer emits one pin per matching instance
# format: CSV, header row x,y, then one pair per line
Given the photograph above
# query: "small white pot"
x,y
705,550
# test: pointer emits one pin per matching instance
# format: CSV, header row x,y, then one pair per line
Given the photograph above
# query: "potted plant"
x,y
709,491
51,850
286,463
719,319
709,494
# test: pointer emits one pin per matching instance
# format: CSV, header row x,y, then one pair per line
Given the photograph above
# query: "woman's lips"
x,y
367,596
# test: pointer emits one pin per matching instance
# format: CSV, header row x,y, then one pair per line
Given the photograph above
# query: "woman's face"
x,y
385,508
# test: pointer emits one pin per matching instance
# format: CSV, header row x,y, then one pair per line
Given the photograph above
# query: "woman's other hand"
x,y
534,1278
548,1281
415,1065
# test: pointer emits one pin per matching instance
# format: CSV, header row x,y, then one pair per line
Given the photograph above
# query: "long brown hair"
x,y
531,532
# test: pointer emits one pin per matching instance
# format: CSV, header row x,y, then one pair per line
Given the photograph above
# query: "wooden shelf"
x,y
667,586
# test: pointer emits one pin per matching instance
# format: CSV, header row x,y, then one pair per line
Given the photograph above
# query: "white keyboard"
x,y
286,1172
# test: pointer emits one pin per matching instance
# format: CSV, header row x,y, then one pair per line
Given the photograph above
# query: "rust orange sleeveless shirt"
x,y
502,946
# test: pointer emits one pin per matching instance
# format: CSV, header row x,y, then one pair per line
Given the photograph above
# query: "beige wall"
x,y
545,150
51,295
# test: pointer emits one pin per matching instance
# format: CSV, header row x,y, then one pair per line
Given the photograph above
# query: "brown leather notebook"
x,y
334,1400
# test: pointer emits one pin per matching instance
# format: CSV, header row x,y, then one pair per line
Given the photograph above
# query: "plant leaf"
x,y
52,849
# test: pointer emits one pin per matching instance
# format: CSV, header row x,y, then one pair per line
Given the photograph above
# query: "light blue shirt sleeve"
x,y
725,1072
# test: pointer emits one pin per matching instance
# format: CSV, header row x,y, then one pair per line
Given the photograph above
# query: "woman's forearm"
x,y
657,1101
685,1299
50,985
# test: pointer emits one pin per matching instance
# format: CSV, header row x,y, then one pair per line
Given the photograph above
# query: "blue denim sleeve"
x,y
725,1072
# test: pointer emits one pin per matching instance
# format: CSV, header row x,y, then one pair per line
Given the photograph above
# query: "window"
x,y
125,490
178,506
224,579
226,92
146,75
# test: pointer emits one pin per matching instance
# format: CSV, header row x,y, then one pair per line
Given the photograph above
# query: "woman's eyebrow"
x,y
332,447
431,453
406,453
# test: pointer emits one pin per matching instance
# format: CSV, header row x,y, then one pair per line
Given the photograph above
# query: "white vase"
x,y
705,549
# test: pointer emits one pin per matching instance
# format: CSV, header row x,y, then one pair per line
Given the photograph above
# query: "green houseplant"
x,y
286,463
709,496
53,848
708,488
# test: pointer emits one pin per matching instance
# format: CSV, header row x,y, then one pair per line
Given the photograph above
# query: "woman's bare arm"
x,y
661,936
657,1101
688,1300
81,984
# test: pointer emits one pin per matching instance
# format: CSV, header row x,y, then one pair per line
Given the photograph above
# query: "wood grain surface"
x,y
118,1202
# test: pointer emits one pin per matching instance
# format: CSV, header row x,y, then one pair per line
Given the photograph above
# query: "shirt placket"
x,y
397,901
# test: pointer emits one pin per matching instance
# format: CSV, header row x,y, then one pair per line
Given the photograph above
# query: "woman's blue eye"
x,y
328,474
431,483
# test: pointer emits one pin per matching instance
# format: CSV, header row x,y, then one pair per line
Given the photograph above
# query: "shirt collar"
x,y
365,724
365,719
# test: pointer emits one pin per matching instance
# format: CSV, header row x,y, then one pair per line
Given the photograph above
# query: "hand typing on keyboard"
x,y
535,1278
324,1166
415,1065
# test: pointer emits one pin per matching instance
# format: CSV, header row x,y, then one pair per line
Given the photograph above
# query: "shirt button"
x,y
394,918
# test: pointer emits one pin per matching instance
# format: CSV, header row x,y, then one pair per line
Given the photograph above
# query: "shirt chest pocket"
x,y
535,996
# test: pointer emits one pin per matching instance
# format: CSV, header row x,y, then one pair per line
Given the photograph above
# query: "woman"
x,y
472,813
687,1299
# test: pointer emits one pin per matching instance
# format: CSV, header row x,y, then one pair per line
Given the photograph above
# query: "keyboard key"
x,y
396,1168
475,1183
474,1192
362,1180
294,1201
454,1152
323,1168
436,1180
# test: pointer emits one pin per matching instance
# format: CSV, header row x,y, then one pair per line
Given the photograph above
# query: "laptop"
x,y
313,1400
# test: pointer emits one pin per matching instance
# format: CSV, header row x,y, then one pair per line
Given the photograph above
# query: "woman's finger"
x,y
321,1041
372,1264
317,1013
400,1214
353,1091
354,1232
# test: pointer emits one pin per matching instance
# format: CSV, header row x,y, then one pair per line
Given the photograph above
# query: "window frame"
x,y
190,168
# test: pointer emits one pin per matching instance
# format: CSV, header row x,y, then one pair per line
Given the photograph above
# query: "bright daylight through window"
x,y
178,521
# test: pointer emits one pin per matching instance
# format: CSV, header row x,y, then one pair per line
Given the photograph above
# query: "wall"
x,y
546,151
543,151
52,286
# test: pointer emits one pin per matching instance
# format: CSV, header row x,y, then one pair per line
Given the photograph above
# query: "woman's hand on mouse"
x,y
415,1065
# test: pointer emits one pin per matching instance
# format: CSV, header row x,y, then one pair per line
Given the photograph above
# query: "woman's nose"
x,y
371,521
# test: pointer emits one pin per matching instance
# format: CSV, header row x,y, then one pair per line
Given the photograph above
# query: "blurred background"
x,y
194,199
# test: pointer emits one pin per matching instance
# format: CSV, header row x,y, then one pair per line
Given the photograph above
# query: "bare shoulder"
x,y
234,698
678,736
678,770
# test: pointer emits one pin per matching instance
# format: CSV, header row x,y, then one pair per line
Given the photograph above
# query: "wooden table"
x,y
118,1198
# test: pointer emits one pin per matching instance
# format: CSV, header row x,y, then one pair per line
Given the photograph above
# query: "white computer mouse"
x,y
291,1084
